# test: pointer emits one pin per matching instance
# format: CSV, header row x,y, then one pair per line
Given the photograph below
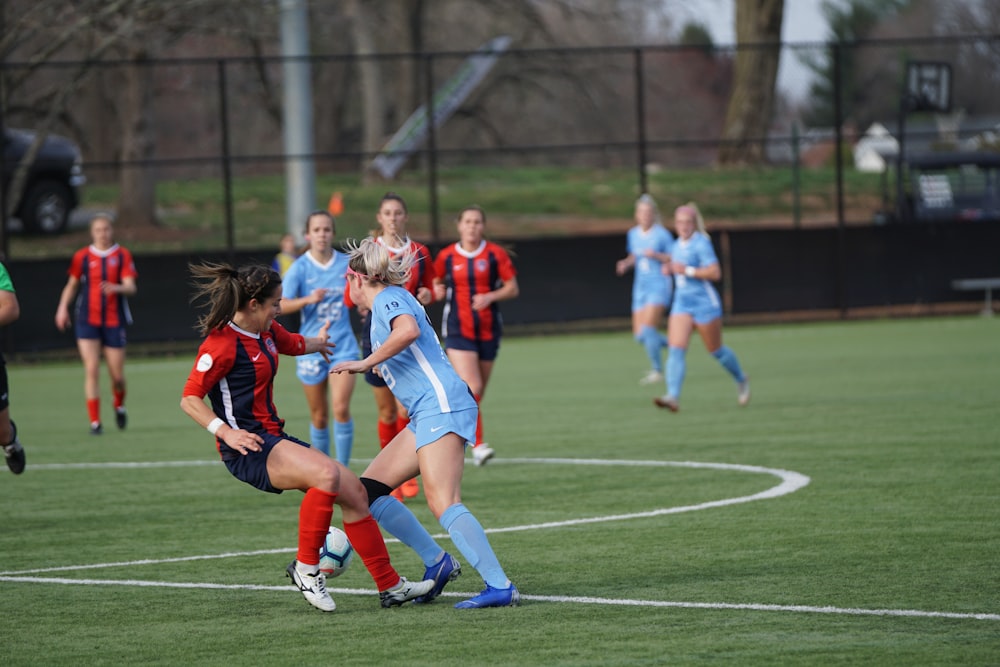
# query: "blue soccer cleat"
x,y
492,597
445,570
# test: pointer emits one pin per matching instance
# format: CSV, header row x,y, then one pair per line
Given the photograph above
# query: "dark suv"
x,y
51,190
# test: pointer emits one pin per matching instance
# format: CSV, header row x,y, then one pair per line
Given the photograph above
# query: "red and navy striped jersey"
x,y
92,267
236,369
464,274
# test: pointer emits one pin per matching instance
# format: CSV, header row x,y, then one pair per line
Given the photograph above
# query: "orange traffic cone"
x,y
336,205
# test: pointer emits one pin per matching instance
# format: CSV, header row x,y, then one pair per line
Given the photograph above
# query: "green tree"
x,y
847,23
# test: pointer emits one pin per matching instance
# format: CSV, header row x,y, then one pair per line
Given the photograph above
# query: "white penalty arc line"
x,y
622,602
790,482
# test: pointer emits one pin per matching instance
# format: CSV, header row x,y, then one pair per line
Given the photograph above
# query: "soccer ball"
x,y
336,553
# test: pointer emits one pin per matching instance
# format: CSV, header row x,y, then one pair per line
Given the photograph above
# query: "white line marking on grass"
x,y
124,464
790,482
620,602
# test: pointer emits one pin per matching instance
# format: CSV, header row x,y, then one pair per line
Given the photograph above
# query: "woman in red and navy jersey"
x,y
235,368
474,275
104,275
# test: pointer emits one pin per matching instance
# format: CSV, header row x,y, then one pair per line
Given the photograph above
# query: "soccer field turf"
x,y
848,515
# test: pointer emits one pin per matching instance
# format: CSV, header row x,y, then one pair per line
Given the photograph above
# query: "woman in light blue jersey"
x,y
315,284
407,354
696,306
649,245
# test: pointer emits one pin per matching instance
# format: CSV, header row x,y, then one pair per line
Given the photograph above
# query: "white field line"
x,y
790,482
621,602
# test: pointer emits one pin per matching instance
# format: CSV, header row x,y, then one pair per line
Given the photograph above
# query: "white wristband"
x,y
689,271
214,425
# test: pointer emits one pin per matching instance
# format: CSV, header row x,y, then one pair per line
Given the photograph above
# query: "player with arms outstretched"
x,y
235,369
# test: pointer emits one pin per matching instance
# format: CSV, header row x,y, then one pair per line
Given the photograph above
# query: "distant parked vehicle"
x,y
52,188
954,186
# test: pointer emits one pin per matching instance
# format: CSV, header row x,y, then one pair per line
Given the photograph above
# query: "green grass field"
x,y
139,548
521,202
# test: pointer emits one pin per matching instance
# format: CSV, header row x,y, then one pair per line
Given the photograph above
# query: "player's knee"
x,y
375,489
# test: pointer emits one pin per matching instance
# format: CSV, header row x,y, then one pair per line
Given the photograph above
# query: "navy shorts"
x,y
4,388
252,467
486,349
109,336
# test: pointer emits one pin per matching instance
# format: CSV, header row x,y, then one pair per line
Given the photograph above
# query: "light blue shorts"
x,y
644,294
313,368
701,311
430,428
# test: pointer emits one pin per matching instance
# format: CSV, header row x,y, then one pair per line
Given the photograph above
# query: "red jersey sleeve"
x,y
289,343
76,265
215,359
128,265
428,267
505,267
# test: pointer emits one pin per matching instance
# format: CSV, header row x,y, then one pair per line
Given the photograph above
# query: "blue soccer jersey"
x,y
420,376
305,275
650,286
695,296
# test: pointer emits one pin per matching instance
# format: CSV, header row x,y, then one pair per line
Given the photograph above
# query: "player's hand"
x,y
424,296
62,320
481,301
317,295
350,367
242,441
677,267
440,291
325,346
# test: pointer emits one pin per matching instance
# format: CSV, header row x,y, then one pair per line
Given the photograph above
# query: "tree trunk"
x,y
137,181
758,35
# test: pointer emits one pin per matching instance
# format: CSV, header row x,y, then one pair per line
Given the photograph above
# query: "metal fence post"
x,y
838,123
796,178
227,176
640,119
431,148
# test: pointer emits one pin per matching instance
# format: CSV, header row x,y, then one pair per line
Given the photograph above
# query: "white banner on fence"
x,y
446,100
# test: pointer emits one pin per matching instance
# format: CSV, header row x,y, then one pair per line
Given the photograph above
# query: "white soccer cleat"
x,y
312,587
481,454
743,397
405,591
652,377
668,402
